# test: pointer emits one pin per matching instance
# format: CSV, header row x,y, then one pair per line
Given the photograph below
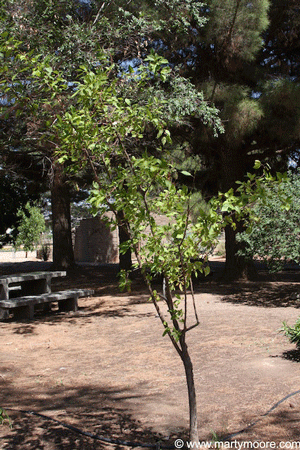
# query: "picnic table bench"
x,y
20,294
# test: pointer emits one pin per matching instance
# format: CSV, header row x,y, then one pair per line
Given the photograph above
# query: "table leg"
x,y
4,314
24,312
4,293
70,304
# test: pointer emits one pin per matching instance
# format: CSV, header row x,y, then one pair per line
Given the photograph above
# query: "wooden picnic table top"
x,y
19,277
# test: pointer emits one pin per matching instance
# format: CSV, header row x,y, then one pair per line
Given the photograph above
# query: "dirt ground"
x,y
107,370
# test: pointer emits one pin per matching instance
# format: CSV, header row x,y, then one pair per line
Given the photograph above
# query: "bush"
x,y
32,225
292,333
44,252
274,234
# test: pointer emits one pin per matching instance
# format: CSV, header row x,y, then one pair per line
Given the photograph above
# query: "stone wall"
x,y
95,242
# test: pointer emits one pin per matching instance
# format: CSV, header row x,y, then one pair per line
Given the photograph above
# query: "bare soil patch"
x,y
107,370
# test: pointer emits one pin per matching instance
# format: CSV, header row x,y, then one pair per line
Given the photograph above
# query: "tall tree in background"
x,y
280,54
258,104
57,31
245,59
68,34
229,50
213,47
226,55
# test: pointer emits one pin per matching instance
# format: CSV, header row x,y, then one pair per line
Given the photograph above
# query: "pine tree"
x,y
245,59
222,63
259,111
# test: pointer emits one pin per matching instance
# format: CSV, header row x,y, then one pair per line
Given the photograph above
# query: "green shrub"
x,y
31,227
274,234
292,333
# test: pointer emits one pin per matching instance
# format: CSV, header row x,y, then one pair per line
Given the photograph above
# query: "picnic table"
x,y
21,293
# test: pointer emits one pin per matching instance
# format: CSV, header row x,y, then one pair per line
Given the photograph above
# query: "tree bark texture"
x,y
63,255
189,373
236,266
233,169
125,261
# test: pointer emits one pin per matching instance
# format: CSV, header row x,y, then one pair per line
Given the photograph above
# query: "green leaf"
x,y
206,270
187,174
257,164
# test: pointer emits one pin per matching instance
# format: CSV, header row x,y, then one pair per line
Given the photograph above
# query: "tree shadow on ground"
x,y
114,305
283,423
292,355
83,316
104,414
100,412
97,276
263,294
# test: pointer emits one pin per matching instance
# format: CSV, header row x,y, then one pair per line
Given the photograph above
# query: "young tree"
x,y
14,194
31,227
105,130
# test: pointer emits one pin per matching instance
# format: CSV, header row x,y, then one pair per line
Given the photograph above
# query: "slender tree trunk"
x,y
189,373
63,256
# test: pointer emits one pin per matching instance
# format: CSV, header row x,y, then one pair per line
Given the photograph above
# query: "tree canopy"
x,y
236,56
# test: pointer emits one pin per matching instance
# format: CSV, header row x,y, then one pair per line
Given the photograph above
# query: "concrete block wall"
x,y
95,242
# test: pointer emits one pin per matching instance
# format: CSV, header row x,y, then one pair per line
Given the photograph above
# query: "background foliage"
x,y
31,227
274,233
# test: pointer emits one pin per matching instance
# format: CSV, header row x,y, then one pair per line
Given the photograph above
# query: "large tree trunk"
x,y
63,256
188,367
236,266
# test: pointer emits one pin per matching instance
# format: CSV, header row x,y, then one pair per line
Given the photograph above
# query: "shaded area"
x,y
20,267
285,420
90,308
267,295
271,290
96,410
275,412
90,410
102,278
292,355
260,429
